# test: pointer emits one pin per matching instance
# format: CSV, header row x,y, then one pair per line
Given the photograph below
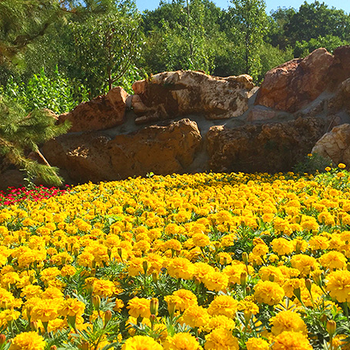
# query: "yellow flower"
x,y
181,341
195,316
221,339
216,281
71,307
103,288
223,305
28,341
140,342
338,285
287,321
181,268
44,310
304,263
219,321
257,344
268,293
328,168
333,260
341,166
139,307
185,299
282,246
291,340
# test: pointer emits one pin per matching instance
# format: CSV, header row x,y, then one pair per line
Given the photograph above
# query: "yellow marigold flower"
x,y
200,239
195,316
257,344
219,321
201,269
119,304
216,281
221,339
326,218
328,168
235,270
135,266
31,291
51,293
291,340
185,299
338,285
68,270
318,242
28,341
341,166
181,268
7,316
44,310
6,298
71,307
139,307
103,288
260,249
140,342
304,263
248,306
223,305
181,341
282,246
333,260
268,293
287,321
271,273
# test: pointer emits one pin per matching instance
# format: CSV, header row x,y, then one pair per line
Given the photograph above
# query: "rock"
x,y
294,84
173,94
341,99
97,157
11,178
259,113
271,147
103,112
335,145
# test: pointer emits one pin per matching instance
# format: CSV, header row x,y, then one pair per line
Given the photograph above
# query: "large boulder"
x,y
173,94
271,147
294,84
335,145
96,156
100,113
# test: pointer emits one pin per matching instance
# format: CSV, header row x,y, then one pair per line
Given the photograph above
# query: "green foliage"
x,y
329,42
54,93
249,23
21,133
313,164
106,47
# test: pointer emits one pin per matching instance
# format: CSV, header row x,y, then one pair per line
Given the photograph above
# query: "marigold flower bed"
x,y
181,262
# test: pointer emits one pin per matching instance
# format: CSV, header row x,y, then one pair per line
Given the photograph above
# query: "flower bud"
x,y
96,302
308,284
154,306
331,327
108,316
2,339
84,345
145,266
243,279
245,258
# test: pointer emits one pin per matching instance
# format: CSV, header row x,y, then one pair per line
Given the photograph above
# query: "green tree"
x,y
21,133
249,25
316,20
181,35
106,46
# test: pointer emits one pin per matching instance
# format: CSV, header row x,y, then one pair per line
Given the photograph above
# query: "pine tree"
x,y
21,134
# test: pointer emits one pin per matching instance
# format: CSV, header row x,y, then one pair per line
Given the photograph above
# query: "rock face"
x,y
187,121
96,156
173,94
335,145
268,148
295,84
102,112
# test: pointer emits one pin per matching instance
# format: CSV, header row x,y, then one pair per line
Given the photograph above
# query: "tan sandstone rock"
x,y
335,145
97,157
294,84
172,94
102,112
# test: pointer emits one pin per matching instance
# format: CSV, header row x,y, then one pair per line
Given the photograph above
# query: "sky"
x,y
270,4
